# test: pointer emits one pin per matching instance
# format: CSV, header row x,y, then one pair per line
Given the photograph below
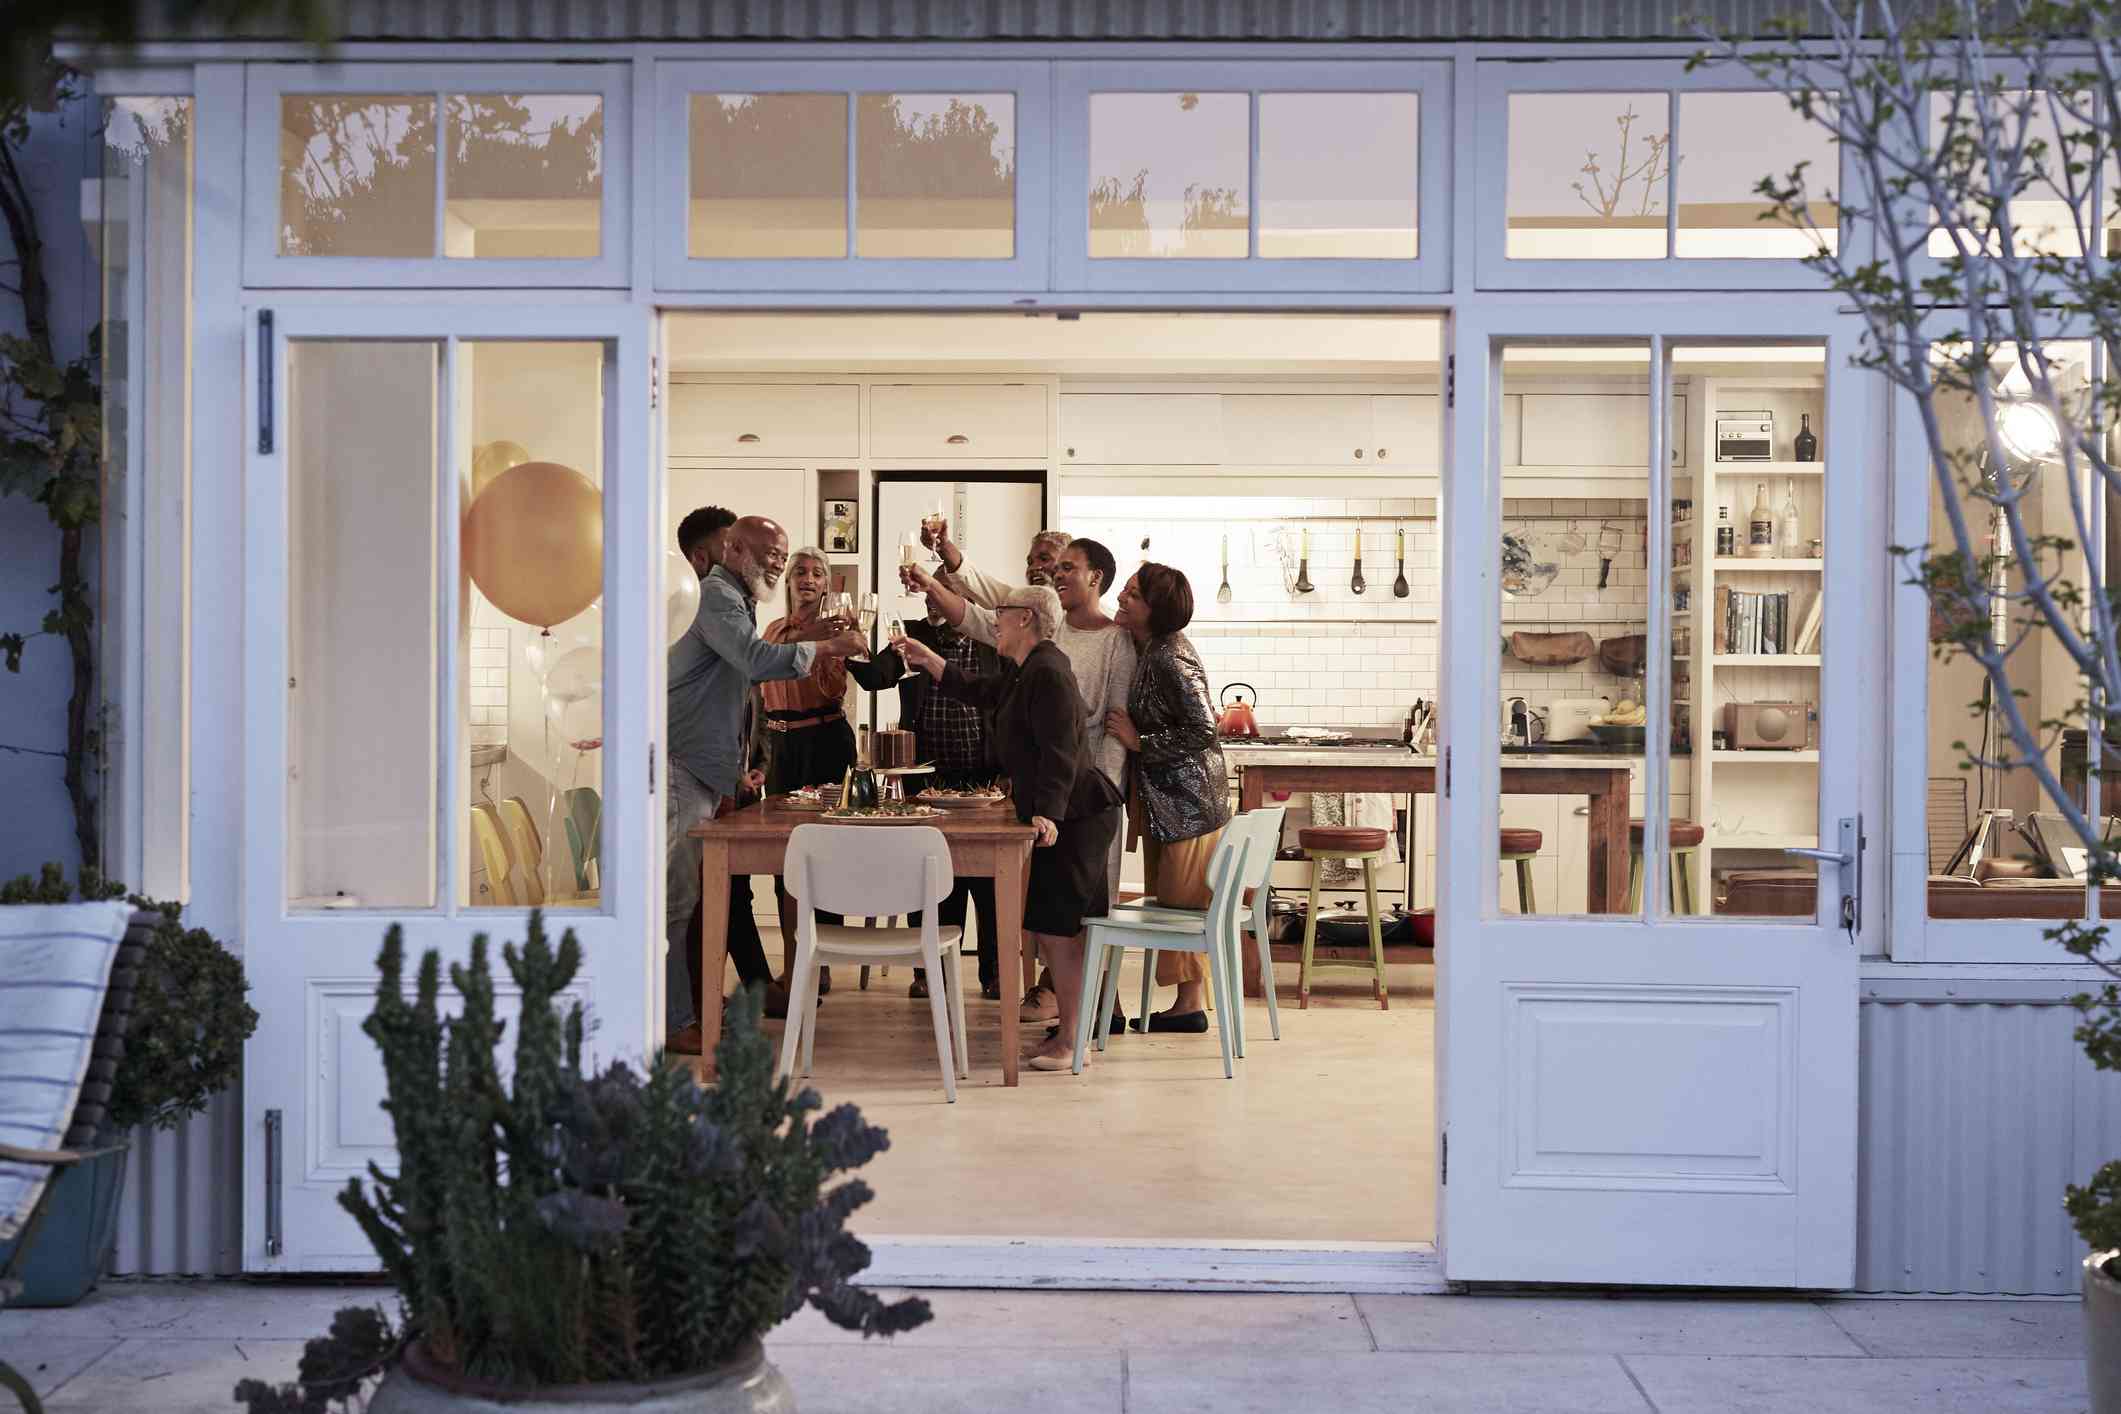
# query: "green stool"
x,y
1521,847
1686,838
1351,843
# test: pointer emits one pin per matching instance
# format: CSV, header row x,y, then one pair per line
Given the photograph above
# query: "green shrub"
x,y
564,1228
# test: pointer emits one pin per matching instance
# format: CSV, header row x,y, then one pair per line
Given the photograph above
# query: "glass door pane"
x,y
1744,624
362,611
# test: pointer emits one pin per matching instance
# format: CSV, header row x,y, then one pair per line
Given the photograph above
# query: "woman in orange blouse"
x,y
809,741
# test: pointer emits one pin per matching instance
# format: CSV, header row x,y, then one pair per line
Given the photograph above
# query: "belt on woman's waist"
x,y
789,721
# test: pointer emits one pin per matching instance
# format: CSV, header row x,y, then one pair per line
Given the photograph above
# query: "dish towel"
x,y
1371,811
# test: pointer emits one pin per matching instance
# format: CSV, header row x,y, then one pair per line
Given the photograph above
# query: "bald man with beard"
x,y
712,669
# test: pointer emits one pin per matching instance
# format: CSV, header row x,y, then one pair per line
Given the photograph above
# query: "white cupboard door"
x,y
1297,429
1140,429
961,422
765,420
399,766
1566,432
1406,429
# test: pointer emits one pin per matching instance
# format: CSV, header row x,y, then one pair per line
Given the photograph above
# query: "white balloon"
x,y
578,674
682,596
583,722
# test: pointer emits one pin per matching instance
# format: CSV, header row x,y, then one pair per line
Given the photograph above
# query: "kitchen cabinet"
x,y
1563,433
1406,429
1298,429
958,422
765,420
1141,429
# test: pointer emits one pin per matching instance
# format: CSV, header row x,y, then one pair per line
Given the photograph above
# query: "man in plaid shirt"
x,y
955,736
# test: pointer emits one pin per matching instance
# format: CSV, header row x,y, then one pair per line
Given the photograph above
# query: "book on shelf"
x,y
1756,623
1807,640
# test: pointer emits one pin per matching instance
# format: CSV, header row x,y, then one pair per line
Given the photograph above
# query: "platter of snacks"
x,y
890,812
967,798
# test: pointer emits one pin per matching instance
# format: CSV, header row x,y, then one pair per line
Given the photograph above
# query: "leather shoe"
x,y
1188,1022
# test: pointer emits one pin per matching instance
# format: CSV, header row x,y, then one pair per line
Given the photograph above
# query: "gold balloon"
x,y
491,460
534,543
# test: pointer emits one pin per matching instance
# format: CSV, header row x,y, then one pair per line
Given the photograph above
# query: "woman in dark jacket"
x,y
1178,786
1041,737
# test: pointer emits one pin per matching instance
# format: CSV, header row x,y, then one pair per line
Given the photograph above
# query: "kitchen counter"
x,y
1513,758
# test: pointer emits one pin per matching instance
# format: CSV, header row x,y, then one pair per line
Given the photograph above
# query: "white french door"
x,y
450,640
1658,1090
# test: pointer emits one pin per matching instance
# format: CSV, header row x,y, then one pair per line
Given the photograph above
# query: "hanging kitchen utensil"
x,y
1551,650
1303,566
1608,547
1399,585
1573,542
1222,595
1356,583
1529,565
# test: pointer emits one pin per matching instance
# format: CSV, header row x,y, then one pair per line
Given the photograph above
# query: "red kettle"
x,y
1237,718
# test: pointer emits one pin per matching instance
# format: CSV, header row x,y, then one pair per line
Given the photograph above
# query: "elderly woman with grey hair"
x,y
1058,789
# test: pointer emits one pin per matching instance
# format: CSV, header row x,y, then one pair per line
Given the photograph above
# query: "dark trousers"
x,y
745,948
952,913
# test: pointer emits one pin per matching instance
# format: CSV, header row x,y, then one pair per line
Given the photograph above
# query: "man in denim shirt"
x,y
712,669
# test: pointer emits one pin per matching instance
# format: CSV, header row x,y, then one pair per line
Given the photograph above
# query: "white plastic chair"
x,y
1261,829
873,871
1209,932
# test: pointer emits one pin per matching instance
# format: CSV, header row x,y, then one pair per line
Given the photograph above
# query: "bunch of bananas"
x,y
1627,712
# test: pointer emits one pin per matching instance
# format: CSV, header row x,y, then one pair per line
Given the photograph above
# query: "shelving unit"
x,y
1751,814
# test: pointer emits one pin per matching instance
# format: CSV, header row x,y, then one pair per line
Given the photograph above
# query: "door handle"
x,y
1849,859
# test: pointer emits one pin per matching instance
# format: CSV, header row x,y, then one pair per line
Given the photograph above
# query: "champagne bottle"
x,y
1790,536
1807,445
1760,525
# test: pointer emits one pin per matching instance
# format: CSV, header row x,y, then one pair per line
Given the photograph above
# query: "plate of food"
x,y
890,812
962,798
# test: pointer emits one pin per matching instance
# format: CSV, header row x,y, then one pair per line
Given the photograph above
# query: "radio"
x,y
1745,436
1767,726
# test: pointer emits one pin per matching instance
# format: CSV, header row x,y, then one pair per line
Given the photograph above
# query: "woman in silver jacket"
x,y
1178,785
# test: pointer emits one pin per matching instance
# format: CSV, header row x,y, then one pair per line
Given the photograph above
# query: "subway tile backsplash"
x,y
1335,658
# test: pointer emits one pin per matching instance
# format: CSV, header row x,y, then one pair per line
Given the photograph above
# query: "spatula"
x,y
1399,585
1356,583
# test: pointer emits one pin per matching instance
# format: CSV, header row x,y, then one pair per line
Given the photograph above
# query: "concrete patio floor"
x,y
179,1347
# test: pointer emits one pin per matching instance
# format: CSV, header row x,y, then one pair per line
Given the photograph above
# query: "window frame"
x,y
1498,79
1915,936
1429,80
264,267
676,81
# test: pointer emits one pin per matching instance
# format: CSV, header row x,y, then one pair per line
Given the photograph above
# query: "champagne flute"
x,y
897,631
865,621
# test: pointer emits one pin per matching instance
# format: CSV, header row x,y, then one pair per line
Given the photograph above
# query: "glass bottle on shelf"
x,y
1791,538
1807,445
1760,525
1726,533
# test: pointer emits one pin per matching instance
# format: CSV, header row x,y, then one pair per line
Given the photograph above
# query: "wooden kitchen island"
x,y
1369,770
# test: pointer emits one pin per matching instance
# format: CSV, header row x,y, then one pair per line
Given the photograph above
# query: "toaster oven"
x,y
1745,437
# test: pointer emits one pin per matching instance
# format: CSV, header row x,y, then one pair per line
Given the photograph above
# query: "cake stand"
x,y
895,787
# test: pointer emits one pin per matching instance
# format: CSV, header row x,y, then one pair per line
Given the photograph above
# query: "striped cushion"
x,y
55,962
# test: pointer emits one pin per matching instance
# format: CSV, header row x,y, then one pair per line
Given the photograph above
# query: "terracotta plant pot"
x,y
747,1384
2102,1334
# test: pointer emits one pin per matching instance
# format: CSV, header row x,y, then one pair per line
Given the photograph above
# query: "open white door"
x,y
418,749
1662,1091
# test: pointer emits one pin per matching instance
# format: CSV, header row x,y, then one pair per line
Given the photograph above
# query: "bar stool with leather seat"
x,y
1521,847
1355,844
1685,839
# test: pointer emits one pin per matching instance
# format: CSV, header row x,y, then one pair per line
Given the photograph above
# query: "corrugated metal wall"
x,y
1308,21
182,1211
1974,1115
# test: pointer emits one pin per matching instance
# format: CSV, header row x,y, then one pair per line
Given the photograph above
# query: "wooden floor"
x,y
1325,1136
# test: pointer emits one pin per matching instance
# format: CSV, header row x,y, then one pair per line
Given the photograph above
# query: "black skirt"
x,y
816,755
1067,882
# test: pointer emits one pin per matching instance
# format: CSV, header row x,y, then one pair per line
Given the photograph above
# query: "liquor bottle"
x,y
1789,532
1726,533
1760,525
1807,444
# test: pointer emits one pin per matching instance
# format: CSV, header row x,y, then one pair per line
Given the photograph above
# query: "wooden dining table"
x,y
986,841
